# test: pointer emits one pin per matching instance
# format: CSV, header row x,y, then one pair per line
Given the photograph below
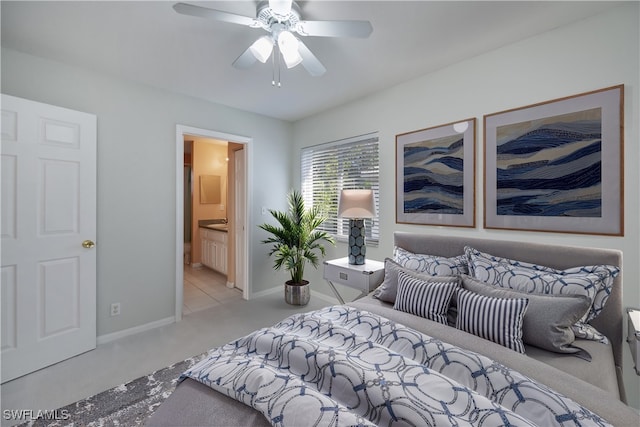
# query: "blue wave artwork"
x,y
433,176
551,167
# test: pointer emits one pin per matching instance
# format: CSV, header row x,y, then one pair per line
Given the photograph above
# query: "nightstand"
x,y
633,336
365,277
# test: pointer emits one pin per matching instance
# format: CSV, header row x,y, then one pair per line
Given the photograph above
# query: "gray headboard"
x,y
609,322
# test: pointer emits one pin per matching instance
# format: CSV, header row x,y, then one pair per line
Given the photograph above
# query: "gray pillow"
x,y
388,290
548,319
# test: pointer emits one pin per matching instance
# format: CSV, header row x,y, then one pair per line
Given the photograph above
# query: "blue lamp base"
x,y
357,248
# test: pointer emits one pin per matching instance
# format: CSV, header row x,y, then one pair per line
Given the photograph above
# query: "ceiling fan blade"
x,y
218,15
309,61
359,29
246,60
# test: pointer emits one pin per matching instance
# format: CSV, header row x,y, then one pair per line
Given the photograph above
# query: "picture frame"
x,y
435,175
557,166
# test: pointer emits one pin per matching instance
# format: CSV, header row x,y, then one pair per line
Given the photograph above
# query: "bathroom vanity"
x,y
213,241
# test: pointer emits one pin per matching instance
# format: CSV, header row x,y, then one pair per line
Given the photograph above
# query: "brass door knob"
x,y
88,244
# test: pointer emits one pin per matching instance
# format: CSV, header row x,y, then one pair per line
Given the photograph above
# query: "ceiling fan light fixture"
x,y
281,18
292,60
262,48
280,7
288,45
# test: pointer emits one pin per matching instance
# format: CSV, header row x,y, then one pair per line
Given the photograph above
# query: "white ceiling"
x,y
149,42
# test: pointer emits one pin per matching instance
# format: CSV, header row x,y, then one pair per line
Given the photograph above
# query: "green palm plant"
x,y
296,239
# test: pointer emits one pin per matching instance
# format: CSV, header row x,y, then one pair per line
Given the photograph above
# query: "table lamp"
x,y
356,205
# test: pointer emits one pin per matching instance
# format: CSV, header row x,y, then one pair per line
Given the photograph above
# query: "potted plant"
x,y
296,241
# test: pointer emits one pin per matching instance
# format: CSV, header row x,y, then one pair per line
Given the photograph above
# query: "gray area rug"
x,y
128,404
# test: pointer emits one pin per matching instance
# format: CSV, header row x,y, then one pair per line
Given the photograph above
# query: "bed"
x,y
430,372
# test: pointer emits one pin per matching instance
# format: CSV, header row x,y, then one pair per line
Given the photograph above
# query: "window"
x,y
346,164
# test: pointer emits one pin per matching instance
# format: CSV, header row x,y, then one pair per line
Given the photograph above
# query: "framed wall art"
x,y
557,166
435,175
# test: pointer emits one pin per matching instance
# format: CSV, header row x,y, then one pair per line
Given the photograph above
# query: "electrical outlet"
x,y
115,309
264,210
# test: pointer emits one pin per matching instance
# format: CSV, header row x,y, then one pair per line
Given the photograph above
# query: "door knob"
x,y
88,244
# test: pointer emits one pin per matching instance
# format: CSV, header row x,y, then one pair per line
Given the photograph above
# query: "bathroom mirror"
x,y
210,189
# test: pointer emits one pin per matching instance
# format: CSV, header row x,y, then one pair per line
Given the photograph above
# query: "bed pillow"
x,y
540,282
601,276
388,290
425,298
593,281
431,264
495,319
548,319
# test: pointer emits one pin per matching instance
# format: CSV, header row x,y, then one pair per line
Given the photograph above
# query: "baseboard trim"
x,y
314,294
103,339
268,291
324,297
106,338
231,285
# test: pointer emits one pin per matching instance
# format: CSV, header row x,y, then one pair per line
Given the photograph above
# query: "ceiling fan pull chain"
x,y
273,69
275,62
279,84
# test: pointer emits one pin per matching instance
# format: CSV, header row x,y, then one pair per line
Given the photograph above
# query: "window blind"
x,y
327,169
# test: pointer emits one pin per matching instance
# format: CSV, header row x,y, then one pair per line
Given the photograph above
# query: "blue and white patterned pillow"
x,y
425,298
431,264
496,319
602,275
593,281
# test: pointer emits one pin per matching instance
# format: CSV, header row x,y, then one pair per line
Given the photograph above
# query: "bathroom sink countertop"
x,y
218,227
214,224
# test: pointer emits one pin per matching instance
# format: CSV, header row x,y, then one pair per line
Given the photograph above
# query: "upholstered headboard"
x,y
609,322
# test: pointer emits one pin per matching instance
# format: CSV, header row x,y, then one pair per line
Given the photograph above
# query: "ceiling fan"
x,y
281,19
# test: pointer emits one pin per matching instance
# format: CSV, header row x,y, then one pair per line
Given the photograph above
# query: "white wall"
x,y
595,53
136,178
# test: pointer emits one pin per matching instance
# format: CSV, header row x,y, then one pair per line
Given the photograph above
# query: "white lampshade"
x,y
288,45
356,204
262,48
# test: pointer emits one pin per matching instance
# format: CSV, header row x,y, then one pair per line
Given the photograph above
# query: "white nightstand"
x,y
633,336
365,277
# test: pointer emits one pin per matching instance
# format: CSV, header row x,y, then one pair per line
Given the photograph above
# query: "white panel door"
x,y
48,215
240,213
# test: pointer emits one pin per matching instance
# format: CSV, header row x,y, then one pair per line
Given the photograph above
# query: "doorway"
x,y
239,219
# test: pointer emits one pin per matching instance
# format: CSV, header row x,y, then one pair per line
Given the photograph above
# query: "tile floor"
x,y
205,288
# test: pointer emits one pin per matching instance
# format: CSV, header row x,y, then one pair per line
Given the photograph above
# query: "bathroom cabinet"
x,y
214,249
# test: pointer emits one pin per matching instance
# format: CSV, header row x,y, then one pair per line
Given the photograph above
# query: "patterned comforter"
x,y
340,366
